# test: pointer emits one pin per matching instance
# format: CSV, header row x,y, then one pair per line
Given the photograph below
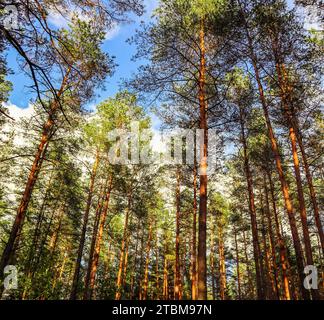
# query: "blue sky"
x,y
115,45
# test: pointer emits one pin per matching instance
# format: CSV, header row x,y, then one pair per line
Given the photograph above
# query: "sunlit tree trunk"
x,y
202,265
194,231
177,287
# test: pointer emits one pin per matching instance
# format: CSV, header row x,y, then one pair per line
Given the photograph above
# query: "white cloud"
x,y
58,20
13,126
62,20
113,32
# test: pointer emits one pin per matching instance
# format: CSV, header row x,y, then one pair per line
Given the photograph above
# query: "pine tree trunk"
x,y
272,241
222,268
96,253
202,262
122,250
177,287
237,265
194,231
281,244
93,239
147,261
252,211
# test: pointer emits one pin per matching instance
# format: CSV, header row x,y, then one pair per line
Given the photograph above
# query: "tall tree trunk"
x,y
237,264
202,263
281,244
157,275
165,277
250,284
212,261
194,230
252,211
94,238
132,281
76,274
268,276
272,240
222,267
147,261
47,133
312,192
122,250
96,253
177,287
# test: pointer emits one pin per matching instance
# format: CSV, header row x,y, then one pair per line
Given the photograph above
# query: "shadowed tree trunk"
x,y
122,250
76,275
237,264
147,261
252,211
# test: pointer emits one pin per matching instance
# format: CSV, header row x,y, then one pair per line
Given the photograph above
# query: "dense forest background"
x,y
77,226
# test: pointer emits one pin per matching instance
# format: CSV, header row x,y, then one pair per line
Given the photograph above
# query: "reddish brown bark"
x,y
280,243
194,232
272,242
237,264
96,253
202,262
177,287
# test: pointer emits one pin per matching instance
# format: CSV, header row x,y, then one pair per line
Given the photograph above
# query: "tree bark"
x,y
252,211
177,287
202,262
122,250
96,253
280,243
